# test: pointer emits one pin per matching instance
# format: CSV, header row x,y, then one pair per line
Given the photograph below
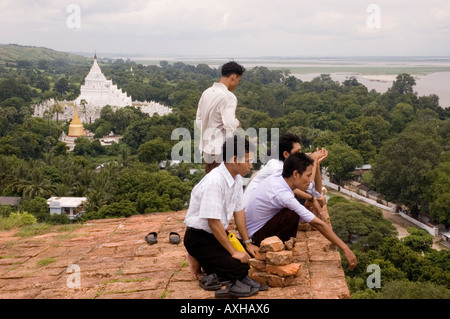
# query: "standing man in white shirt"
x,y
216,114
214,201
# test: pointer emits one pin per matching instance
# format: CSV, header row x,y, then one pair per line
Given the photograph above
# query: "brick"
x,y
289,244
279,258
270,279
260,256
257,264
284,271
271,244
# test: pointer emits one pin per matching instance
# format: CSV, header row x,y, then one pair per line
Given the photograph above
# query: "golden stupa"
x,y
76,127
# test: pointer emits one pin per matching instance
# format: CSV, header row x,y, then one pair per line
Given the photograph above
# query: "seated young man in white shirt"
x,y
214,201
273,209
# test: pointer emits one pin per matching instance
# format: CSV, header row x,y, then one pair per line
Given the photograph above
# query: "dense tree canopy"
x,y
405,137
407,262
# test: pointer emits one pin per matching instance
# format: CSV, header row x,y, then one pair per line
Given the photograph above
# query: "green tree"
x,y
342,161
358,139
62,85
377,128
360,223
401,115
35,185
418,240
402,166
155,150
124,208
404,289
437,190
136,134
38,207
57,108
404,83
60,148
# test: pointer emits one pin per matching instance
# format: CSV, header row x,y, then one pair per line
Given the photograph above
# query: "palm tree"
x,y
56,108
102,187
36,185
62,190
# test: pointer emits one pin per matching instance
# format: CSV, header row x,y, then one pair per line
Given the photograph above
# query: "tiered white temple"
x,y
97,91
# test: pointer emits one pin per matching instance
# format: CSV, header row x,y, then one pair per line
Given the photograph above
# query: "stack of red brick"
x,y
274,266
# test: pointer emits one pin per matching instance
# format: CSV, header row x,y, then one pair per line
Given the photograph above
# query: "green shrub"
x,y
17,219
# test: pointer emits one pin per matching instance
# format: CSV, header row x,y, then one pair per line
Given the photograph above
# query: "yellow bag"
x,y
236,243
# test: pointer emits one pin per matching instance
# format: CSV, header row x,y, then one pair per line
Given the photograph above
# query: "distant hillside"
x,y
11,53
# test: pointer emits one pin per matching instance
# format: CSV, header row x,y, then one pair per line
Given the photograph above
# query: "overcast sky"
x,y
231,28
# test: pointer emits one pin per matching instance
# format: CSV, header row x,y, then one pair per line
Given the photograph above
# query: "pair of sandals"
x,y
152,238
238,289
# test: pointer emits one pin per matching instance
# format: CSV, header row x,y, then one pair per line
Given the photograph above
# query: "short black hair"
x,y
296,162
286,143
232,68
236,146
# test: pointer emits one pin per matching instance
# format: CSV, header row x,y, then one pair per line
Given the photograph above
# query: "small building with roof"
x,y
71,206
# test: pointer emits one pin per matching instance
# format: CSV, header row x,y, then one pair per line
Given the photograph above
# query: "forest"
x,y
405,137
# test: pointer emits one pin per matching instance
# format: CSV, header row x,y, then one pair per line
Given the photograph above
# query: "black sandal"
x,y
174,238
236,290
151,238
254,284
210,282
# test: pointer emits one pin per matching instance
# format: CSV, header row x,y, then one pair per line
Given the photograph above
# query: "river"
x,y
433,83
432,73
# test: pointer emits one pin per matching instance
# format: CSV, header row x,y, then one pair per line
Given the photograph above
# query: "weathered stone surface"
x,y
284,271
304,227
279,258
115,262
271,244
300,252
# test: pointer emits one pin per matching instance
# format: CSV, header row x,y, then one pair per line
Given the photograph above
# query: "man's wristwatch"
x,y
247,241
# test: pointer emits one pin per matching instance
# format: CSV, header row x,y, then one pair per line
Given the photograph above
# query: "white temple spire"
x,y
98,92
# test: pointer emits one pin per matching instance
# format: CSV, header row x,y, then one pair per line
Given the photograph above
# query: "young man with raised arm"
x,y
273,209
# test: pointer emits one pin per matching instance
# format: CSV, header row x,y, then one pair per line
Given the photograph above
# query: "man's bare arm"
x,y
326,231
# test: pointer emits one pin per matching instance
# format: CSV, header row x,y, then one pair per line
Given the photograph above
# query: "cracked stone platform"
x,y
115,262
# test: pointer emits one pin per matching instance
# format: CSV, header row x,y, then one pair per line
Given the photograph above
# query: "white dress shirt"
x,y
217,196
268,199
273,166
216,118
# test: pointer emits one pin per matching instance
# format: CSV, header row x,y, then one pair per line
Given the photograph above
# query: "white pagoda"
x,y
97,92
